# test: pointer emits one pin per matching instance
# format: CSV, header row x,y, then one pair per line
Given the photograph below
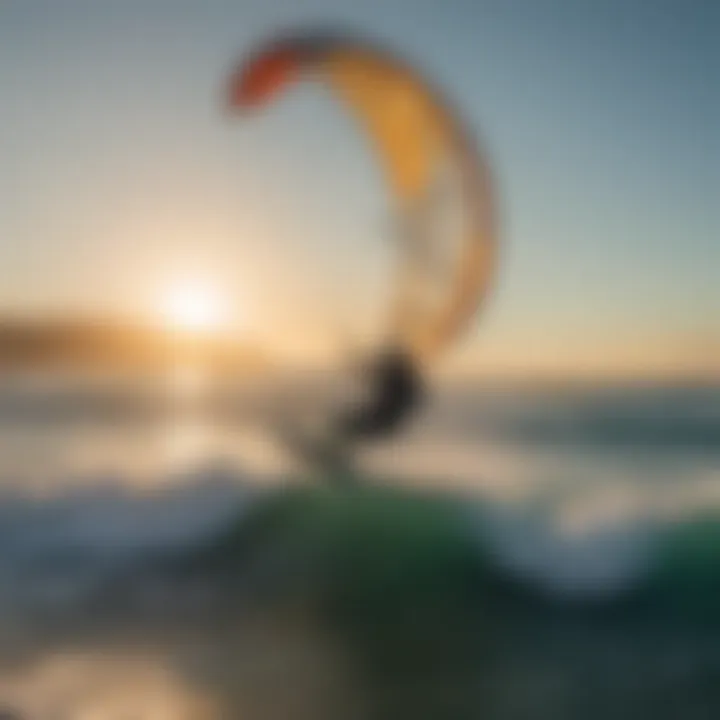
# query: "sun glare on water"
x,y
194,307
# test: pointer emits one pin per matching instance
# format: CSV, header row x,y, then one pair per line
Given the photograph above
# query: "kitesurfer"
x,y
444,267
395,391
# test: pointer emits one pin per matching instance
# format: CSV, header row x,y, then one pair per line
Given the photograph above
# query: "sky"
x,y
123,177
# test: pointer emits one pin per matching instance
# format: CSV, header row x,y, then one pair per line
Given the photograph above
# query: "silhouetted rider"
x,y
396,390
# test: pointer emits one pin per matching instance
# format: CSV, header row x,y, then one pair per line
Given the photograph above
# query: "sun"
x,y
194,307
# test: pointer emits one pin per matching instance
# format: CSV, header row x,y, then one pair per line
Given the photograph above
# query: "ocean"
x,y
520,552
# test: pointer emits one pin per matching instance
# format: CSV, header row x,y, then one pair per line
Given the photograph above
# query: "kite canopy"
x,y
439,181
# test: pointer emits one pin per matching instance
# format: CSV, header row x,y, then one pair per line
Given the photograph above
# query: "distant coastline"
x,y
118,345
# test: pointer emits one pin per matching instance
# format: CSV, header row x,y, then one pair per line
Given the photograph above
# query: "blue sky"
x,y
120,172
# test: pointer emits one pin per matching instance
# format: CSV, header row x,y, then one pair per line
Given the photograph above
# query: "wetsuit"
x,y
396,390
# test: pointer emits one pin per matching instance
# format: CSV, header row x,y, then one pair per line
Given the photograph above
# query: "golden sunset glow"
x,y
194,307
